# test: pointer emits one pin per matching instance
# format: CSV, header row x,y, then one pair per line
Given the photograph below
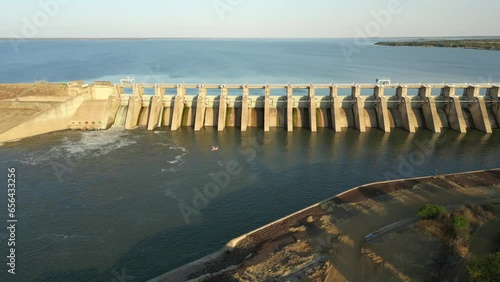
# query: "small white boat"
x,y
383,81
214,148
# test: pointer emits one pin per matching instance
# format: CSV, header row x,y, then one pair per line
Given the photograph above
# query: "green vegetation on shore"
x,y
481,44
431,211
485,269
456,227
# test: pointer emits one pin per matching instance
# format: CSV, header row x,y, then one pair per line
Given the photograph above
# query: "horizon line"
x,y
216,38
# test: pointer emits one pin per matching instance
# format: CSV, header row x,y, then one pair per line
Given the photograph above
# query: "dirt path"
x,y
481,247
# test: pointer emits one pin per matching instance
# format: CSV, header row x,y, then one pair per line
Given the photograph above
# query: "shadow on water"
x,y
290,171
154,256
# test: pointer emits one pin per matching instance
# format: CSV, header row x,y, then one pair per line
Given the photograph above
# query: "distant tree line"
x,y
482,44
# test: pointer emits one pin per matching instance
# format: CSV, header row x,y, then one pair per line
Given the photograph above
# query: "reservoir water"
x,y
240,61
98,206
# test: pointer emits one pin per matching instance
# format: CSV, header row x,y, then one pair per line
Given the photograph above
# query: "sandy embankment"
x,y
24,102
326,242
19,102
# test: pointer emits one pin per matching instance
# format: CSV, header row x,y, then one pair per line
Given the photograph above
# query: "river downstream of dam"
x,y
94,202
103,205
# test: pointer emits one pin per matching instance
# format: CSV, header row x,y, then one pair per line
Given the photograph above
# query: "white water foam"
x,y
121,116
179,159
91,144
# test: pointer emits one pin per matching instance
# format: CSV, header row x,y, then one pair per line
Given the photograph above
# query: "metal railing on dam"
x,y
385,107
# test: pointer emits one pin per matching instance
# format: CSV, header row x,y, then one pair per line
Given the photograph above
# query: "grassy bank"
x,y
480,44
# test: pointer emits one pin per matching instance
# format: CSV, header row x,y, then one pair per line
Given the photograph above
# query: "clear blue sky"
x,y
246,18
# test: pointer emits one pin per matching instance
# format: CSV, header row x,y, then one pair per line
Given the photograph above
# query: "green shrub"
x,y
485,269
462,226
460,222
431,211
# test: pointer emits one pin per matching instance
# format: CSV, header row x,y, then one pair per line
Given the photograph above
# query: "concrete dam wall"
x,y
361,106
47,110
387,107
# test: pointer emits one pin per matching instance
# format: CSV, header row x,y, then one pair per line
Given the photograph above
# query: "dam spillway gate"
x,y
388,107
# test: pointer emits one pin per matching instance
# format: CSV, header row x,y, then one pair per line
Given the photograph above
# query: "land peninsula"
x,y
479,44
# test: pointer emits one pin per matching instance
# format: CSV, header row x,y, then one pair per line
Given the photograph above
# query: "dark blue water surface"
x,y
95,205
